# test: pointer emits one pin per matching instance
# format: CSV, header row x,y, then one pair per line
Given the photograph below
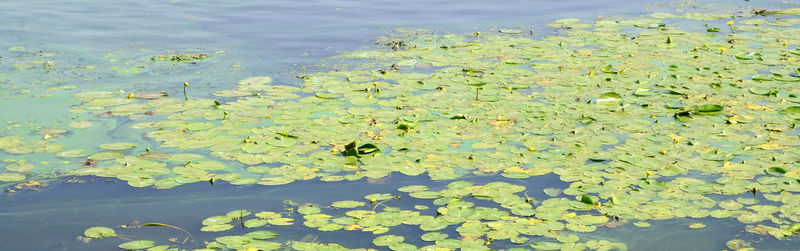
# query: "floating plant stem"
x,y
730,24
378,204
155,224
185,84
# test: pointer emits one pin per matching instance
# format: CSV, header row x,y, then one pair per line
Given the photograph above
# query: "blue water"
x,y
272,38
269,36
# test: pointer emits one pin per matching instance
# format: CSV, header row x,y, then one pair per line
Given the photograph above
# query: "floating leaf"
x,y
99,232
776,170
586,199
151,95
118,146
11,177
552,192
217,220
510,31
387,240
253,223
308,210
261,235
216,228
644,92
746,55
135,245
434,236
348,204
545,245
608,98
709,108
792,110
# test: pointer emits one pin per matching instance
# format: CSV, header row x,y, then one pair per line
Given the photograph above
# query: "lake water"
x,y
99,46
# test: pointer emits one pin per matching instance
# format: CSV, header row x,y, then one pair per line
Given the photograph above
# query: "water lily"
x,y
730,24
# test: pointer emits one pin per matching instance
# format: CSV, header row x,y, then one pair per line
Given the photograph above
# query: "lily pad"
x,y
135,245
348,204
99,232
261,235
11,177
118,146
216,228
709,108
387,240
609,98
434,236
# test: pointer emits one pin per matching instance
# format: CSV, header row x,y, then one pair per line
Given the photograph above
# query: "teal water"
x,y
280,39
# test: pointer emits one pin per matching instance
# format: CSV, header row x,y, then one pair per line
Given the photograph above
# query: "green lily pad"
x,y
281,221
510,31
282,142
387,240
747,200
309,210
253,223
261,235
217,220
118,146
746,55
238,213
379,197
709,108
361,101
642,92
434,236
776,171
609,98
20,166
11,177
546,245
99,232
216,228
792,110
72,153
347,204
135,245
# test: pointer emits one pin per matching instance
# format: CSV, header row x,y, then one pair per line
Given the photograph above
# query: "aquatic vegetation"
x,y
643,120
456,208
180,58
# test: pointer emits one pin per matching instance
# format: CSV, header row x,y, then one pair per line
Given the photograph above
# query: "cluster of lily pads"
x,y
644,120
40,86
458,209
